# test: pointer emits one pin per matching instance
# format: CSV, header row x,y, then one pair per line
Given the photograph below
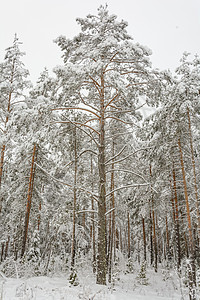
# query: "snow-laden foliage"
x,y
85,181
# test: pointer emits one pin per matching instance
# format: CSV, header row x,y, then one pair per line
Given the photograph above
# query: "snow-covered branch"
x,y
126,171
125,122
86,104
67,184
77,123
131,172
88,210
86,132
124,158
111,159
77,108
109,211
112,100
127,186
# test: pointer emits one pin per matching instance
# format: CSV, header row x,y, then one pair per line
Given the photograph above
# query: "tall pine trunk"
x,y
73,249
151,236
112,244
194,173
191,266
144,240
129,235
6,121
3,149
29,198
154,229
167,238
101,257
93,224
178,245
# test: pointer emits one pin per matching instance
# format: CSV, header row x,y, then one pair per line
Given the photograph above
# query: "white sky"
x,y
167,27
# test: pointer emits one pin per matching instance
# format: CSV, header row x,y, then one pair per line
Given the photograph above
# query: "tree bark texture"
x,y
178,245
194,173
144,240
29,198
101,258
192,279
73,249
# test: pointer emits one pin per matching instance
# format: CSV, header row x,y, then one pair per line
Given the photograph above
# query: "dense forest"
x,y
83,175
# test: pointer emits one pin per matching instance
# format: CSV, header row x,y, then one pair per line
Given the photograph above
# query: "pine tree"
x,y
13,84
106,73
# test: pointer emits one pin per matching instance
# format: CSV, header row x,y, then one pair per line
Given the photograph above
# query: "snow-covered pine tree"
x,y
13,85
104,75
172,152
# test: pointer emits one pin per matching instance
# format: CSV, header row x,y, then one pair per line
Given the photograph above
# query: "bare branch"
x,y
68,164
87,150
96,85
110,62
90,120
112,100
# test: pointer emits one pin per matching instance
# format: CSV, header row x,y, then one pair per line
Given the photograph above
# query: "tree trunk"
x,y
101,258
4,147
155,242
194,173
178,245
2,250
6,121
151,236
73,249
28,206
6,248
118,235
93,224
167,239
192,277
154,230
129,236
1,164
186,198
144,240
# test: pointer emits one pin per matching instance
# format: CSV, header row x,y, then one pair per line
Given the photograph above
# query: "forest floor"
x,y
163,285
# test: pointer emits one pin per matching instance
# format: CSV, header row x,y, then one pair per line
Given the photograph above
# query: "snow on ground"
x,y
161,286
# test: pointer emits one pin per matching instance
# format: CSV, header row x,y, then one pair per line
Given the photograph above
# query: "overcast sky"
x,y
167,27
